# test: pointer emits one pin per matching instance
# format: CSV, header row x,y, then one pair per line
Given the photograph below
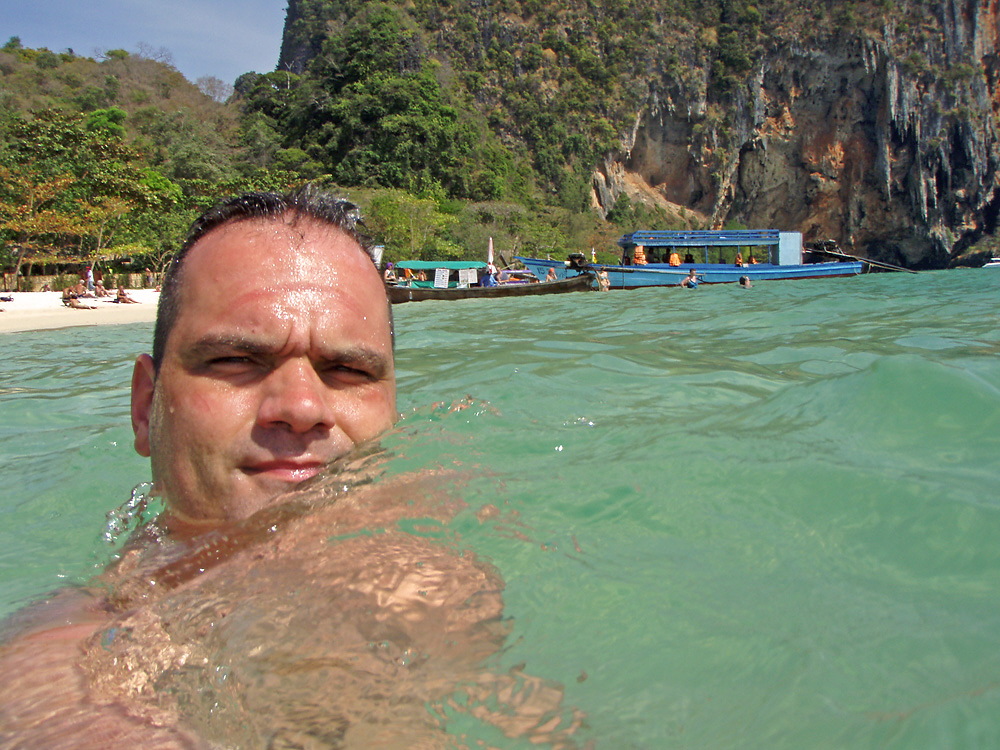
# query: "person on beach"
x,y
124,298
71,298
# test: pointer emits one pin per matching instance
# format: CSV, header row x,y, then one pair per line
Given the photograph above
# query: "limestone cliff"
x,y
889,151
868,123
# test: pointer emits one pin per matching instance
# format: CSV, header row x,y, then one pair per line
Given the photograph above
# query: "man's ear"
x,y
143,386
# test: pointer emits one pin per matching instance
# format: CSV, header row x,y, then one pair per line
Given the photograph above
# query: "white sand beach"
x,y
34,311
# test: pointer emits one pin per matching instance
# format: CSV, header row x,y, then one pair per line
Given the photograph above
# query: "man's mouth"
x,y
292,472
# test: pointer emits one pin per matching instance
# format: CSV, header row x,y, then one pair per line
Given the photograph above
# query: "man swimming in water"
x,y
272,356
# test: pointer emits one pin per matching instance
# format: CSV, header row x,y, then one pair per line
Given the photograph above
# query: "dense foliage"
x,y
449,122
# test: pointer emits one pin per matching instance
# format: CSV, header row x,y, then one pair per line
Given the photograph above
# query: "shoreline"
x,y
43,311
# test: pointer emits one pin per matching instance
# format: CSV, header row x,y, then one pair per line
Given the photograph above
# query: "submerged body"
x,y
317,622
257,612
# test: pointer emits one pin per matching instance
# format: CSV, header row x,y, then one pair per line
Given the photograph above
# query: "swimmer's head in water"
x,y
278,360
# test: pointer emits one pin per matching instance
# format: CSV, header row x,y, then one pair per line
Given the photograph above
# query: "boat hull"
x,y
574,283
662,274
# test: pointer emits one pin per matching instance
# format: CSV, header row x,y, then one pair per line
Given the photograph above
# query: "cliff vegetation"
x,y
549,127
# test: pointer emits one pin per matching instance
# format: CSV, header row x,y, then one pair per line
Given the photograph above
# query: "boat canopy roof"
x,y
702,238
430,265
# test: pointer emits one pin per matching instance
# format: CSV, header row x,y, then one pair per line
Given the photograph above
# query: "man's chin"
x,y
249,493
266,491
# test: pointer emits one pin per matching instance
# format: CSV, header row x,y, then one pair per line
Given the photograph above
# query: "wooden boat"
x,y
722,257
444,286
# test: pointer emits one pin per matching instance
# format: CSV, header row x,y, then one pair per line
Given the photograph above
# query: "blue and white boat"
x,y
665,258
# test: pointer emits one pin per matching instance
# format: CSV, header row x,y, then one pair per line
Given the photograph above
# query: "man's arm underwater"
x,y
45,697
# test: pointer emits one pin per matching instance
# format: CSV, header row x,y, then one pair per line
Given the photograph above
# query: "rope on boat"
x,y
869,261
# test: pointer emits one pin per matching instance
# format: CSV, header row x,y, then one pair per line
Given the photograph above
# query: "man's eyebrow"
x,y
208,346
375,362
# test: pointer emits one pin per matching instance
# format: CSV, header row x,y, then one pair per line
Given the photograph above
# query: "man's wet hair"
x,y
307,202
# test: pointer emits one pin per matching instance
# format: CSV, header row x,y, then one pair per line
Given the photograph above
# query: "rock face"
x,y
875,130
890,151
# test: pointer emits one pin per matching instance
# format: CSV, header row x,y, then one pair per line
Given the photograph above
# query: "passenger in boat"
x,y
690,281
688,258
675,258
753,260
390,273
745,282
739,259
551,275
652,256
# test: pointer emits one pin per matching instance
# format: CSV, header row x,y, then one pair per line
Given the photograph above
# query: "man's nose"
x,y
295,396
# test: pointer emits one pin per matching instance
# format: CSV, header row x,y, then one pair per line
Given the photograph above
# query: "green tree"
x,y
66,185
31,217
411,228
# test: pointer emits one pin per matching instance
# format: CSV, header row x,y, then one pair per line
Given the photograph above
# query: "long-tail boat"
x,y
665,258
451,280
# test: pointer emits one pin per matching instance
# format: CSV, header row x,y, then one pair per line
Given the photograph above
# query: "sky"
x,y
221,38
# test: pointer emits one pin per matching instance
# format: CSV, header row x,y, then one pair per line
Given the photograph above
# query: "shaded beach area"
x,y
34,311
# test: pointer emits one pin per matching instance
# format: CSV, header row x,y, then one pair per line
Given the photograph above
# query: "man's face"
x,y
280,360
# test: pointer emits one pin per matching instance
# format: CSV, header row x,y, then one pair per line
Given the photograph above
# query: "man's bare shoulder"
x,y
46,703
64,614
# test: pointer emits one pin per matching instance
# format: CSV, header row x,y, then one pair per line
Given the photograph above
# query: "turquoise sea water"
x,y
761,518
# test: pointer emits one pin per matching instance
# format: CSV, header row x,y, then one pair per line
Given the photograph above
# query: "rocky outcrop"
x,y
869,124
888,149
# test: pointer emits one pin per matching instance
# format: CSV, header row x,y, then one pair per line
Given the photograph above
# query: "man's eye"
x,y
231,362
343,371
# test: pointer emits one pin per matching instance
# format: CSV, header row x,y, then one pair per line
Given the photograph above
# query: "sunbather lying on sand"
x,y
71,299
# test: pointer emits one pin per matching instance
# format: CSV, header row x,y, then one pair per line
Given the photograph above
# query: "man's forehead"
x,y
280,237
265,271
